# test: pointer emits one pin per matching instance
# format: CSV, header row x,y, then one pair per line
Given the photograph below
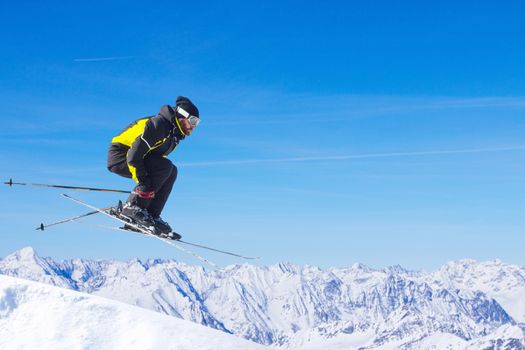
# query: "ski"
x,y
166,240
178,240
142,231
220,251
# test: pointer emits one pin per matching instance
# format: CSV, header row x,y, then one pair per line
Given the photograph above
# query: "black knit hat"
x,y
188,106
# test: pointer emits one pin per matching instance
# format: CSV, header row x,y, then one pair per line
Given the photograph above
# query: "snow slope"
x,y
39,316
465,304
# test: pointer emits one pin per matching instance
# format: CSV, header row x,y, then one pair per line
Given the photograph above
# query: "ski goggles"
x,y
193,119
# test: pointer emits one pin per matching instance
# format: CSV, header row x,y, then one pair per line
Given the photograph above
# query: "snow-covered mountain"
x,y
38,316
464,304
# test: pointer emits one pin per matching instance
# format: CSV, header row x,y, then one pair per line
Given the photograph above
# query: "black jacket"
x,y
158,135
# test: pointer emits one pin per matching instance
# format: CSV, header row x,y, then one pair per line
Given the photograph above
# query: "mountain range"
x,y
463,305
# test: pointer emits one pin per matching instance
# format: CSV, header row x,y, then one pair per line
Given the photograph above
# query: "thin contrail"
x,y
351,156
98,59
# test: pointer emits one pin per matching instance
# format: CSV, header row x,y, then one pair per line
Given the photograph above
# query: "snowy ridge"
x,y
465,304
38,316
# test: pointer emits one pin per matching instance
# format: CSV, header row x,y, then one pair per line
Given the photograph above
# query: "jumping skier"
x,y
139,152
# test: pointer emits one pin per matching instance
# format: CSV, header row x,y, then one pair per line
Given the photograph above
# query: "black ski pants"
x,y
162,173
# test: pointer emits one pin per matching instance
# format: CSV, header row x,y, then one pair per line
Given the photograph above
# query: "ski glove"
x,y
144,191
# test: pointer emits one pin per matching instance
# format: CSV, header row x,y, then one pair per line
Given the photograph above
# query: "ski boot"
x,y
163,229
136,215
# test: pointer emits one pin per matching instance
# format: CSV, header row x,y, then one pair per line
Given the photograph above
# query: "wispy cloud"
x,y
351,156
45,141
343,108
99,59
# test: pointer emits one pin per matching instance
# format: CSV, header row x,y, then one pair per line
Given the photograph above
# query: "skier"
x,y
139,152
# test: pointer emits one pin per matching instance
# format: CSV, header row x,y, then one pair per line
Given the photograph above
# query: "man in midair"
x,y
139,152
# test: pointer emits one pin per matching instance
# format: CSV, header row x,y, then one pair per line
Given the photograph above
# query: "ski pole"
x,y
42,226
11,183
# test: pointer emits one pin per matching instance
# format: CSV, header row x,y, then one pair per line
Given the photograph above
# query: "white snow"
x,y
465,304
38,316
505,283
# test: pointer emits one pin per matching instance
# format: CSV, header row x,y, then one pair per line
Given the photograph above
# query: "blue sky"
x,y
332,133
